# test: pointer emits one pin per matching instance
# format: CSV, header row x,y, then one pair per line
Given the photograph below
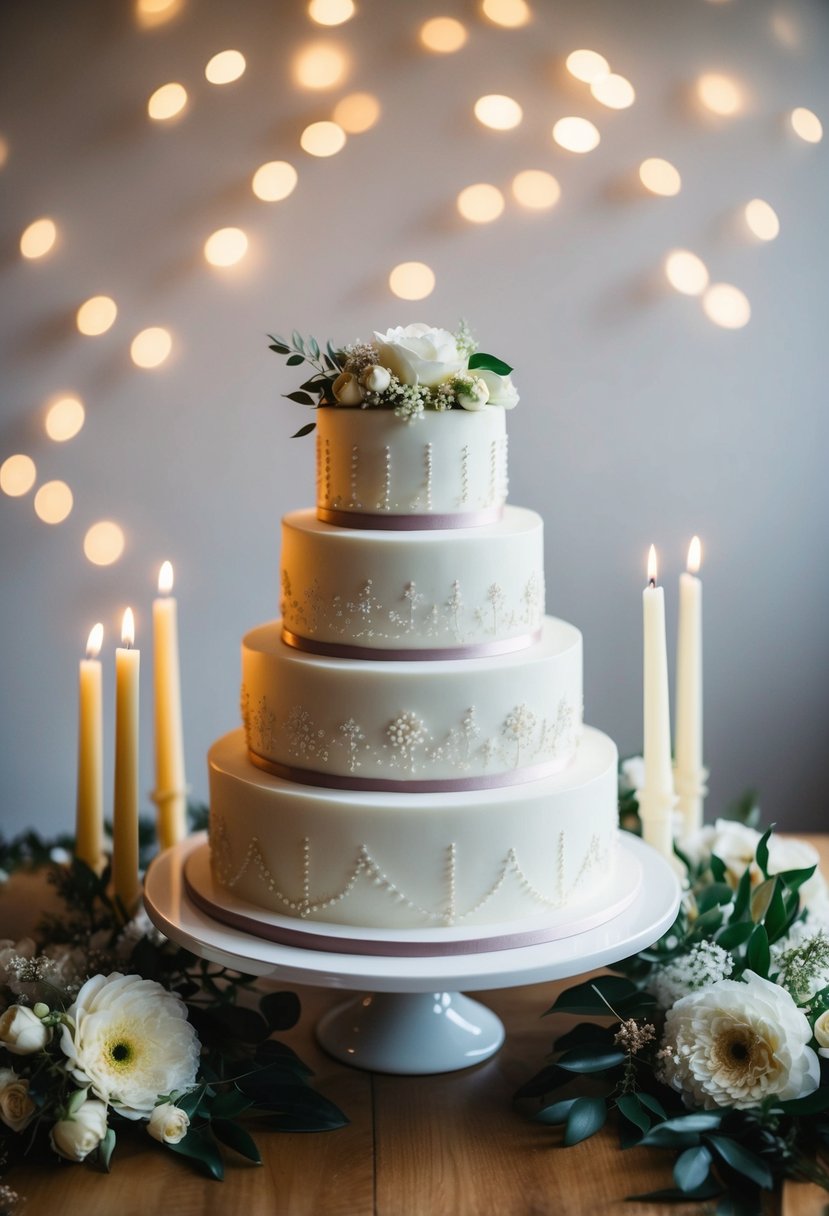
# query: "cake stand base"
x,y
413,1023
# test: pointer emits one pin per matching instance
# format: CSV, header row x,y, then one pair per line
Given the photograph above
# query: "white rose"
x,y
475,396
22,1032
16,1107
80,1134
502,391
346,389
420,354
168,1123
821,1031
375,379
737,1043
632,773
131,1042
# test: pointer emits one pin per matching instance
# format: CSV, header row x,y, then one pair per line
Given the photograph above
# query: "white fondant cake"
x,y
413,754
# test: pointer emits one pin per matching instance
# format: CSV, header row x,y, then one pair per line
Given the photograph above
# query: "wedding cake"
x,y
413,755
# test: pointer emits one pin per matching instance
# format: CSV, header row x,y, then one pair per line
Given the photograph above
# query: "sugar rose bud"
x,y
22,1032
16,1107
474,395
77,1137
346,389
168,1123
821,1029
375,379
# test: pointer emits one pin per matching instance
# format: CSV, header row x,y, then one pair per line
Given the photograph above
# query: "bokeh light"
x,y
576,134
686,272
535,188
509,13
96,315
17,475
587,65
4,150
357,112
726,306
150,13
152,346
274,181
412,281
322,139
481,203
806,125
103,543
53,502
498,112
720,94
444,35
660,176
167,102
64,418
762,219
614,91
225,67
226,247
786,30
321,66
39,238
331,12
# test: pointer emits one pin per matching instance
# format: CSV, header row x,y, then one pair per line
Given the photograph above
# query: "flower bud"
x,y
40,1010
16,1107
22,1032
78,1136
375,379
168,1123
474,394
346,389
821,1029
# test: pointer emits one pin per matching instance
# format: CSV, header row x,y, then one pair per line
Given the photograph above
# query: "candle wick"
x,y
652,582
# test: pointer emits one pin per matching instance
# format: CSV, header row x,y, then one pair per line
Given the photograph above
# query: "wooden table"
x,y
448,1145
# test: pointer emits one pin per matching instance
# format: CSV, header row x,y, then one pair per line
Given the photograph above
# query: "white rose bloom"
x,y
168,1123
821,1031
475,396
502,391
420,354
632,773
80,1134
22,1032
16,1107
131,1042
737,1043
375,379
346,389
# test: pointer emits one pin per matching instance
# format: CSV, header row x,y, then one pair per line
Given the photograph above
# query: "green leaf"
x,y
296,338
742,1160
692,1168
794,879
707,923
300,398
715,894
743,896
762,853
761,899
106,1149
556,1113
280,1010
237,1138
630,1107
598,1060
304,430
652,1104
587,1116
544,1082
584,1034
76,1101
777,914
201,1148
241,1023
735,935
190,1102
315,346
685,1129
273,1052
292,1107
280,348
230,1104
489,363
586,998
758,955
718,868
295,360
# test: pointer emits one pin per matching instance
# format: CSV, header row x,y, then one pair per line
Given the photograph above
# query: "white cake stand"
x,y
414,1021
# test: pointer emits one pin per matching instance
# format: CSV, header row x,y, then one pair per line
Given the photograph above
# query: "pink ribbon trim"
x,y
476,650
439,785
409,523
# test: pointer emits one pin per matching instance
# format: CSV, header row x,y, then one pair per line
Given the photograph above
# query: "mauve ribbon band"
x,y
477,650
439,785
409,523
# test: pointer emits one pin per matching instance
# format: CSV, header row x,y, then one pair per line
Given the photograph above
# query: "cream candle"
x,y
656,798
690,775
170,794
89,805
125,806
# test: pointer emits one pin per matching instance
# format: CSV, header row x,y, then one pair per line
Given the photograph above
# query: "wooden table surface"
x,y
446,1145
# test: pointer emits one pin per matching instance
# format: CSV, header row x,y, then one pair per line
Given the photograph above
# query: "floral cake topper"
x,y
408,369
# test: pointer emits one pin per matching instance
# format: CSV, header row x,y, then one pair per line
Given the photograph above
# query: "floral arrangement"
x,y
106,1025
717,1049
408,369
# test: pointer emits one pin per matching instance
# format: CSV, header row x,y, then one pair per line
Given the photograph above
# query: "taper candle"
x,y
89,805
656,798
170,794
125,807
690,775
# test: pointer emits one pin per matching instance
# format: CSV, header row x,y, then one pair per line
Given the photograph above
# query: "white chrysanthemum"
x,y
737,1043
705,964
131,1042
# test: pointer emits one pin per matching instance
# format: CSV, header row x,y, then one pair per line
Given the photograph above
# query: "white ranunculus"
x,y
475,395
22,1032
502,391
419,354
346,389
80,1134
737,1043
16,1107
821,1032
375,379
131,1042
168,1123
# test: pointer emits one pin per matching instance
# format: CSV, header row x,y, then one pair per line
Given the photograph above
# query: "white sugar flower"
x,y
737,1043
168,1123
79,1134
130,1041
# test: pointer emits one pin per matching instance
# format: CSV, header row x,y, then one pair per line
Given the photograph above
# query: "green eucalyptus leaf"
x,y
585,1060
296,338
692,1168
718,868
230,1104
556,1113
743,1160
237,1138
631,1108
280,348
106,1149
777,916
241,1023
199,1146
300,398
489,363
585,1034
76,1101
715,894
758,955
652,1104
586,998
304,430
743,896
683,1130
293,1107
190,1102
812,1104
295,360
280,1010
586,1117
734,935
315,346
762,853
273,1052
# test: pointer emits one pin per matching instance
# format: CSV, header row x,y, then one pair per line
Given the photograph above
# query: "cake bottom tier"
x,y
401,861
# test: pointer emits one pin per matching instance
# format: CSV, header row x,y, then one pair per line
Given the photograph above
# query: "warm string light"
x,y
443,35
274,181
320,66
586,65
720,94
39,238
53,502
103,543
96,315
356,113
17,475
225,247
614,91
686,272
322,139
498,112
726,306
660,176
65,419
761,219
412,281
167,102
575,134
806,125
225,67
331,12
509,13
151,347
536,189
481,203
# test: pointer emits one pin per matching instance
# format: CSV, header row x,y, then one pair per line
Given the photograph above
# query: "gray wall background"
x,y
640,421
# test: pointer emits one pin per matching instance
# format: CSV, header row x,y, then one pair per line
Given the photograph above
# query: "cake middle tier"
x,y
360,593
457,724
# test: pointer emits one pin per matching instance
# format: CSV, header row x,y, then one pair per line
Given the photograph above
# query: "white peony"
x,y
22,1032
419,354
474,395
502,391
168,1123
16,1107
80,1134
737,1043
346,389
130,1041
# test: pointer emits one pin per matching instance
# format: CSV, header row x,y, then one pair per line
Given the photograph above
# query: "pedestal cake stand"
x,y
415,1021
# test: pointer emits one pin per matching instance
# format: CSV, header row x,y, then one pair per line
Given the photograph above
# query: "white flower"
x,y
131,1042
502,391
735,1044
80,1134
703,965
168,1123
22,1032
821,1032
375,379
475,394
16,1107
346,389
419,354
632,774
